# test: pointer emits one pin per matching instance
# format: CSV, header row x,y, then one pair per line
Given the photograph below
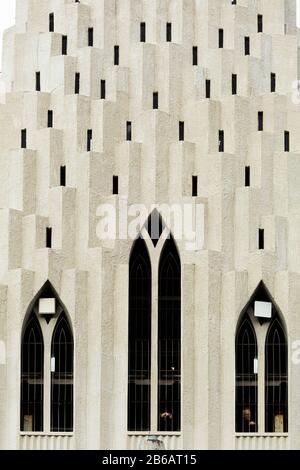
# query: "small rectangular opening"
x,y
195,55
260,23
128,131
103,90
221,141
91,37
77,83
261,239
38,81
23,138
155,100
221,38
51,22
207,88
48,237
115,185
143,32
169,32
234,83
247,176
116,55
181,131
260,120
89,140
286,141
64,45
195,186
63,176
247,45
273,82
50,118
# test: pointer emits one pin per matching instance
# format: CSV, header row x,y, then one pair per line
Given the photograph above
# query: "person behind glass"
x,y
248,424
166,418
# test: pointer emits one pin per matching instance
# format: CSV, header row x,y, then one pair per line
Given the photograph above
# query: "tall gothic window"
x,y
246,378
154,382
47,356
261,364
32,376
169,334
276,384
139,338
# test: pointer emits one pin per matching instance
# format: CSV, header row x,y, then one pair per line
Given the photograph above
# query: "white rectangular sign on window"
x,y
263,309
255,366
52,364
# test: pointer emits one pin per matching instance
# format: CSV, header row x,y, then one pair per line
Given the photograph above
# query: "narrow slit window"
x,y
207,89
89,140
260,23
115,185
63,176
234,83
247,45
51,22
195,55
143,32
247,176
195,186
221,141
261,239
260,121
128,131
91,37
116,55
103,90
155,100
50,118
24,138
273,82
48,237
286,141
181,131
38,81
169,32
64,45
221,38
77,83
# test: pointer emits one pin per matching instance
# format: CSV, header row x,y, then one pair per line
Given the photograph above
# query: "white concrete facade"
x,y
91,275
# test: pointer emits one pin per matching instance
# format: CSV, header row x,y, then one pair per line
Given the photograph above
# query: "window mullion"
x,y
47,333
154,346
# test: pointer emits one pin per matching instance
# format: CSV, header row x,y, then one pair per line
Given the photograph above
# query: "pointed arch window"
x,y
169,338
261,367
246,378
139,366
62,377
276,380
47,357
154,381
32,376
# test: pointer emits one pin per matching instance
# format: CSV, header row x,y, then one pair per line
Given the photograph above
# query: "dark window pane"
x,y
246,378
32,377
169,339
62,351
139,358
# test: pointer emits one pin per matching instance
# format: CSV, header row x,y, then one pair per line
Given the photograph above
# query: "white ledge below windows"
x,y
154,441
46,441
261,441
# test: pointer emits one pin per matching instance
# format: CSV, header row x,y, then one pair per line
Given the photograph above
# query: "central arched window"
x,y
261,367
154,375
